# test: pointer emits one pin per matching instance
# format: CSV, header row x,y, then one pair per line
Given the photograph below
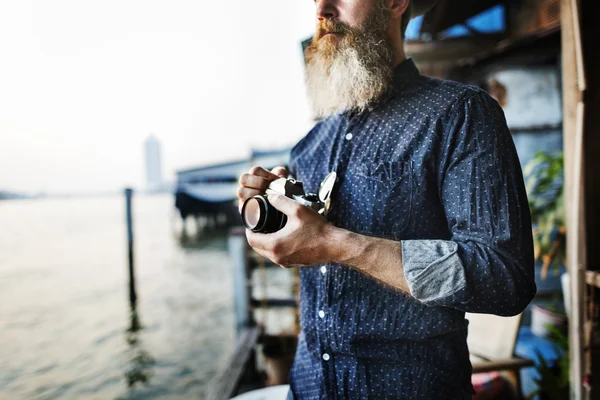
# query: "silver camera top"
x,y
287,187
294,189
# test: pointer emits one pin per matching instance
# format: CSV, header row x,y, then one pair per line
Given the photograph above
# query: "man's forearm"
x,y
379,258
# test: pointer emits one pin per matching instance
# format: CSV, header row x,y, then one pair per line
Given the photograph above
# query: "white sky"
x,y
84,82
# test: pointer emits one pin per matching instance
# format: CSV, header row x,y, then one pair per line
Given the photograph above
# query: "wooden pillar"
x,y
581,102
129,219
238,250
590,29
572,96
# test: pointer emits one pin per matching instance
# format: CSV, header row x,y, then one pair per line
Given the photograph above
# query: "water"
x,y
65,322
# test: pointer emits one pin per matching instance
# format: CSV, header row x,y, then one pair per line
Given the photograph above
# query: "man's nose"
x,y
326,10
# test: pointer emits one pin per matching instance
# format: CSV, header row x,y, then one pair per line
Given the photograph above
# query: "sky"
x,y
84,82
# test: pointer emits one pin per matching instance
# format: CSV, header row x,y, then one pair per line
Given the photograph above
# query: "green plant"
x,y
553,378
544,182
556,305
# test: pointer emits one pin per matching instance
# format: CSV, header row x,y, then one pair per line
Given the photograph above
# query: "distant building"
x,y
5,195
154,179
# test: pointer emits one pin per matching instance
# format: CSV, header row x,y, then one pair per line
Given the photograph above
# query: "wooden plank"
x,y
578,260
578,47
273,303
574,182
238,251
224,385
592,278
450,50
515,363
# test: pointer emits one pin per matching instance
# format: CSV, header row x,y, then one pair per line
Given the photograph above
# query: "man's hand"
x,y
303,241
307,238
256,181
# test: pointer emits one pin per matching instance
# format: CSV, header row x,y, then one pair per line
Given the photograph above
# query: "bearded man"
x,y
428,219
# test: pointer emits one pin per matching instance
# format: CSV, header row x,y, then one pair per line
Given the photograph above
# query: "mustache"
x,y
331,26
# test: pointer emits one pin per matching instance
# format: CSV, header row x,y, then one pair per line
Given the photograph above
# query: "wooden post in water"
x,y
132,293
238,248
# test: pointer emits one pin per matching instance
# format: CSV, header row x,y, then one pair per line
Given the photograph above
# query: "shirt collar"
x,y
403,75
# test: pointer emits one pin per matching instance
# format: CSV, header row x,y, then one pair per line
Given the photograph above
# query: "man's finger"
x,y
280,171
244,193
255,181
260,171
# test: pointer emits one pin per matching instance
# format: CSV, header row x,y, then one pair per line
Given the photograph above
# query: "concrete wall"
x,y
531,100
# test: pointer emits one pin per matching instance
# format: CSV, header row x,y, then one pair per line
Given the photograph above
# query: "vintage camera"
x,y
259,215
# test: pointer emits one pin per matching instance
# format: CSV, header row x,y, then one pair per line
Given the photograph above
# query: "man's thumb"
x,y
282,203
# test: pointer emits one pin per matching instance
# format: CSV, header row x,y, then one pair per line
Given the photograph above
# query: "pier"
x,y
263,354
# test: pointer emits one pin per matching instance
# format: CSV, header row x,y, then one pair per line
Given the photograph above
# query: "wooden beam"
x,y
578,49
273,303
447,13
225,384
578,261
502,365
592,278
238,250
451,49
575,185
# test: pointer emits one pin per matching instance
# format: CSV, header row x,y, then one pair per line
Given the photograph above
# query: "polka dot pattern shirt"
x,y
434,167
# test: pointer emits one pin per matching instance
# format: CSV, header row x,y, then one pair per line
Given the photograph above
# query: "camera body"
x,y
259,215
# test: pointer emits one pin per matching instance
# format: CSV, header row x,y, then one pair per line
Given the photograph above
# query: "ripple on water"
x,y
69,322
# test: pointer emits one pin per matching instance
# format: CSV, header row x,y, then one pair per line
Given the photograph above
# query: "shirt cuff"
x,y
434,272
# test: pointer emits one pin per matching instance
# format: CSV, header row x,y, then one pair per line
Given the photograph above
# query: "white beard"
x,y
351,79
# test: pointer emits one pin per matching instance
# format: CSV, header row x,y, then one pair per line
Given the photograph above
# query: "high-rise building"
x,y
154,180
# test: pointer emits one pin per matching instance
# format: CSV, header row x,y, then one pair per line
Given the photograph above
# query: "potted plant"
x,y
544,182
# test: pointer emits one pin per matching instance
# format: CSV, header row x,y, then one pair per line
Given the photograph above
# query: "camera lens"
x,y
259,215
251,213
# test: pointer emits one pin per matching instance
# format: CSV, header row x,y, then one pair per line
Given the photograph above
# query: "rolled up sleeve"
x,y
487,266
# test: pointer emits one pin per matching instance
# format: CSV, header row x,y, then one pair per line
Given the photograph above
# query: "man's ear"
x,y
397,8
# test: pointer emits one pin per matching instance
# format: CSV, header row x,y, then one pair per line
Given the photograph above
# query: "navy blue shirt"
x,y
433,166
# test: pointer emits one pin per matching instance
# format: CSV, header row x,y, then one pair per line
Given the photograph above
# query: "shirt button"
x,y
326,357
322,314
323,270
348,136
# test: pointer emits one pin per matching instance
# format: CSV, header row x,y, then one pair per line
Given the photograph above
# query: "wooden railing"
x,y
229,378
